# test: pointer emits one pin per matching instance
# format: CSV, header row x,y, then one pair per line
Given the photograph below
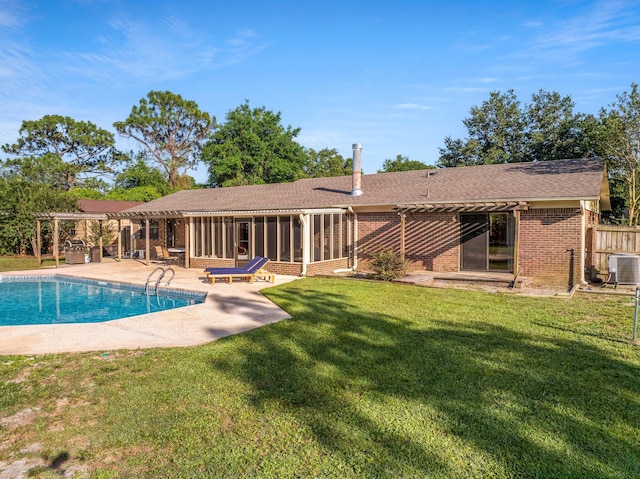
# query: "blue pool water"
x,y
59,299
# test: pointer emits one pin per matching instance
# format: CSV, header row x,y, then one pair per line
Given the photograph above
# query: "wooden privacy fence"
x,y
615,240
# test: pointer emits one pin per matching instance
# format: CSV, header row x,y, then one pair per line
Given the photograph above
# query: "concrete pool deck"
x,y
228,309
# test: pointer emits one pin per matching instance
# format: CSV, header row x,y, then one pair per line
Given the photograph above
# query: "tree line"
x,y
502,130
57,160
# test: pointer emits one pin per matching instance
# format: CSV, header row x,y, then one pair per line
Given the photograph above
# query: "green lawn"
x,y
367,380
20,263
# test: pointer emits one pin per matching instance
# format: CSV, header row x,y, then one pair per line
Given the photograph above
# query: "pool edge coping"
x,y
179,292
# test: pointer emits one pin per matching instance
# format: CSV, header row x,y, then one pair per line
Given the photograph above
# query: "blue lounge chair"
x,y
249,266
253,269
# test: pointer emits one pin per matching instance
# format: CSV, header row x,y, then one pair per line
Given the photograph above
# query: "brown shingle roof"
x,y
105,206
548,180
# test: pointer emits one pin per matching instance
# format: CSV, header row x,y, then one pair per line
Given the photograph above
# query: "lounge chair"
x,y
250,271
249,266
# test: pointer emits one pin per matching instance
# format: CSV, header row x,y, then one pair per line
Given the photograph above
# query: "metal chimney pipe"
x,y
356,189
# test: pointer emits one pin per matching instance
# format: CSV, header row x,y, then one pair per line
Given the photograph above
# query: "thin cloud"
x,y
13,14
150,53
24,89
467,89
323,138
487,80
411,106
475,42
605,23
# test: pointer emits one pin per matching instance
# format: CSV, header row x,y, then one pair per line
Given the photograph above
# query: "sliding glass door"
x,y
487,241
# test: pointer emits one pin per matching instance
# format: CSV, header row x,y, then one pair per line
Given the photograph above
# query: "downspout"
x,y
355,245
305,244
583,242
355,238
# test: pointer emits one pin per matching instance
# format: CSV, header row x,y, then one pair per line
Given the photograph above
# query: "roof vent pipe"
x,y
356,189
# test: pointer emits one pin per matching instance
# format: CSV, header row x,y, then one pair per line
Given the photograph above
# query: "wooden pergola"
x,y
56,217
480,207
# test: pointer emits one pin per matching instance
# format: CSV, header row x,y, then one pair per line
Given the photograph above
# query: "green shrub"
x,y
387,265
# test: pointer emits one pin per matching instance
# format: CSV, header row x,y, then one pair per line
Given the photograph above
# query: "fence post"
x,y
635,317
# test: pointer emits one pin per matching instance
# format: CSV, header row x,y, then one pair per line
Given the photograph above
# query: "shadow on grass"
x,y
479,399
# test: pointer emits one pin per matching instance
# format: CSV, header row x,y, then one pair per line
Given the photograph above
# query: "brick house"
x,y
528,219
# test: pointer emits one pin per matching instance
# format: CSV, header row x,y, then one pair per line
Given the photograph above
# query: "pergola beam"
x,y
479,207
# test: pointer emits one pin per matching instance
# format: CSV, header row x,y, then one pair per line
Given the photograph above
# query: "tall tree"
x,y
403,163
139,182
553,130
173,130
621,144
61,151
327,162
19,199
496,130
455,153
252,147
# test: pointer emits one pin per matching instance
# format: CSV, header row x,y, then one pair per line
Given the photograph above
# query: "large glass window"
x,y
336,236
285,238
228,238
207,250
277,237
297,240
326,237
345,237
218,244
317,238
272,238
195,229
330,236
213,237
259,236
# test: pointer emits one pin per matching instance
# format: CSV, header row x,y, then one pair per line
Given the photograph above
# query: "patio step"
x,y
418,279
459,279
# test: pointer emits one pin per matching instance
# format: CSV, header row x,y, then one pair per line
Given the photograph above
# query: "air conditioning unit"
x,y
624,268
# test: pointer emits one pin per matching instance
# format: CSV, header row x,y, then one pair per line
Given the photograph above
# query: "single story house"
x,y
529,219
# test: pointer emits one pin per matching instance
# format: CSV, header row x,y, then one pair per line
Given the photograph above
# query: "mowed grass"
x,y
367,380
21,263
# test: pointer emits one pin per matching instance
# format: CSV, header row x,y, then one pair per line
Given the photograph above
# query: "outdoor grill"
x,y
74,251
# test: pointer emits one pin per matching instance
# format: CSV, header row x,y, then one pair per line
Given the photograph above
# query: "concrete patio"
x,y
228,309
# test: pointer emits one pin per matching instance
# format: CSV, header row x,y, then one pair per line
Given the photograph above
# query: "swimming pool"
x,y
57,299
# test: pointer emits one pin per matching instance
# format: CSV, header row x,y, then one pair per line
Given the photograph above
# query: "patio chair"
x,y
160,259
163,256
251,271
167,256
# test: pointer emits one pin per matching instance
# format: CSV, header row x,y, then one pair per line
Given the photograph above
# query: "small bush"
x,y
387,265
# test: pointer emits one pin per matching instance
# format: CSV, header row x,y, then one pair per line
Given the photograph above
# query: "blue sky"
x,y
397,77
